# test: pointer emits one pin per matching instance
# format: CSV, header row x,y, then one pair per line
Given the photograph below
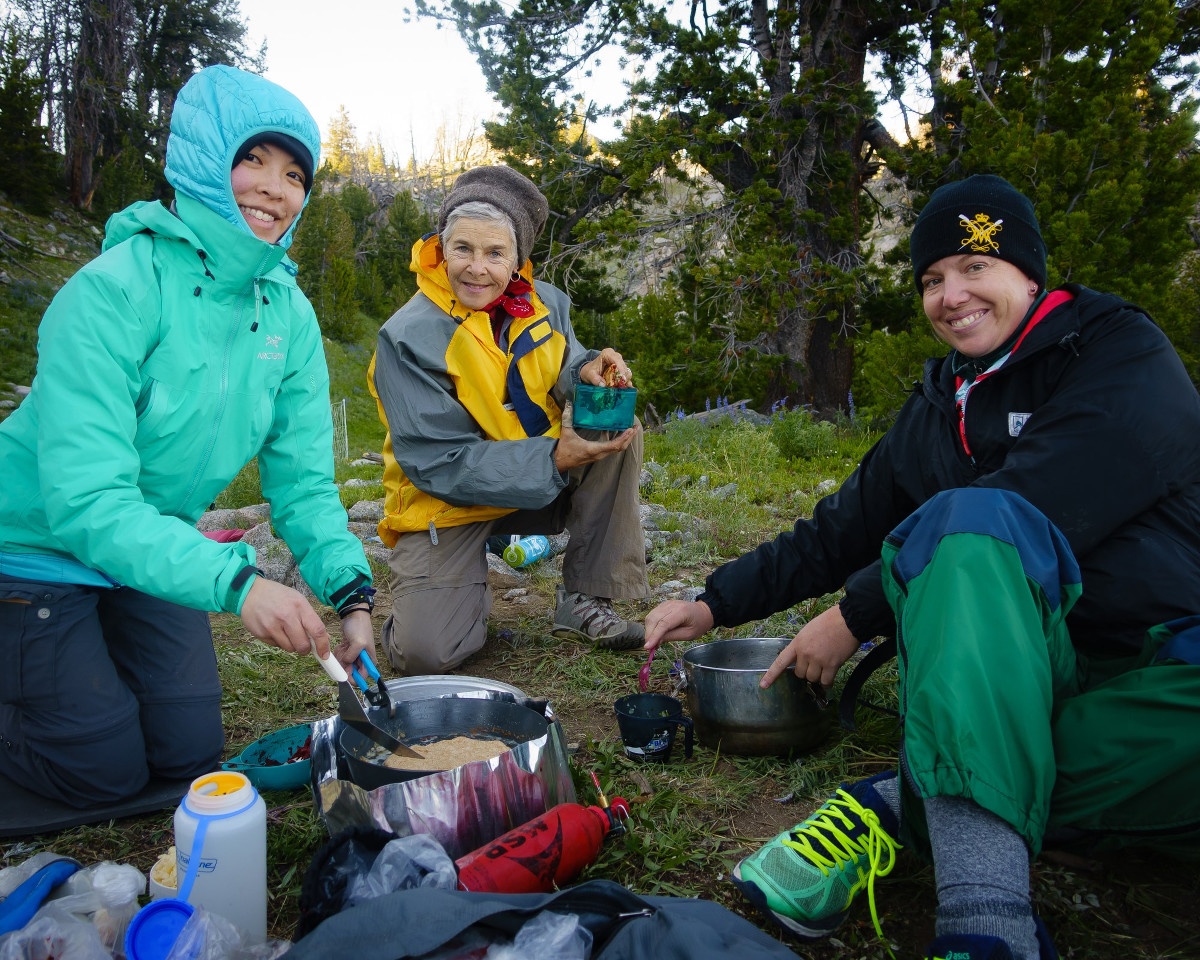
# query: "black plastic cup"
x,y
648,723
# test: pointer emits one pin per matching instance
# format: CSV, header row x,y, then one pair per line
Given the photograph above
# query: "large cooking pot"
x,y
732,713
438,718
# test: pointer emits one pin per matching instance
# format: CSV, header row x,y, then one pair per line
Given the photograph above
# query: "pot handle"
x,y
686,723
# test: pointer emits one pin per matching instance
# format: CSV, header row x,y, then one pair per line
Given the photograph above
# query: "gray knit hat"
x,y
981,214
514,194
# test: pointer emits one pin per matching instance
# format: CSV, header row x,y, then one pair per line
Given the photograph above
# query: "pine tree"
x,y
341,151
771,102
28,167
323,249
405,223
110,72
1094,118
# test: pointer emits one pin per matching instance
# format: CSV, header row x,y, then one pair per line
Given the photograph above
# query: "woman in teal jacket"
x,y
166,364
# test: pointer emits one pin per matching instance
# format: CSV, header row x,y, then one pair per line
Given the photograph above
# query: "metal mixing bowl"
x,y
733,714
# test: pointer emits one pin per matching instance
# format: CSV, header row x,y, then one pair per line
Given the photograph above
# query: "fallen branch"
x,y
26,248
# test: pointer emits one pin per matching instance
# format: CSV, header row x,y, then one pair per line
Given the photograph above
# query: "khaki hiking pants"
x,y
440,594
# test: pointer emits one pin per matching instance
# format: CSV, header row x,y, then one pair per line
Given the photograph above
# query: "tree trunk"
x,y
99,80
815,335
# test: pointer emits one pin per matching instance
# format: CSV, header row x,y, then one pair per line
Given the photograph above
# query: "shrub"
x,y
798,436
886,367
29,169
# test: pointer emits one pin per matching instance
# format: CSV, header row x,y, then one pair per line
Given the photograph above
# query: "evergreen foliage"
x,y
1181,320
765,109
767,103
131,175
353,252
109,74
323,249
888,366
391,250
28,167
719,238
1093,118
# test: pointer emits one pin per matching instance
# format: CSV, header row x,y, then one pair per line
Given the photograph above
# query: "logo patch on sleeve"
x,y
1016,421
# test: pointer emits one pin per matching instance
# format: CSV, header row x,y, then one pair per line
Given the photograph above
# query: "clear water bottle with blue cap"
x,y
526,550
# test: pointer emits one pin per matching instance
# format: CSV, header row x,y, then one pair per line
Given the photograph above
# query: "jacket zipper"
x,y
223,393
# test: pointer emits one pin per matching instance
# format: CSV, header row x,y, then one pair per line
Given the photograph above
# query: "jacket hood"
x,y
429,265
217,111
145,216
236,256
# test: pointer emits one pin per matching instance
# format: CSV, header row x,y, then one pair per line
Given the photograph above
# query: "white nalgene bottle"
x,y
221,845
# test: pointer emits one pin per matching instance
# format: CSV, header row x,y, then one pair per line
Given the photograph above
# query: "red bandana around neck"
x,y
511,301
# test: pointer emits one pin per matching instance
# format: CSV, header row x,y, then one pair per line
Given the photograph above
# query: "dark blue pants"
x,y
101,689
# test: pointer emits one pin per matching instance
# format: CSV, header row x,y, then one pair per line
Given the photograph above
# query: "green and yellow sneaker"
x,y
807,877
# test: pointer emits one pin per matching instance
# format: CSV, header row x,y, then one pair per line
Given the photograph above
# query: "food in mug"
x,y
612,378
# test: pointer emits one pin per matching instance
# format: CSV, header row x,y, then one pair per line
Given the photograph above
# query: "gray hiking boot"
x,y
593,618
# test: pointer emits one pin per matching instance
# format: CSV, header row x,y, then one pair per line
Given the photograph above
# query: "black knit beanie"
x,y
981,214
293,146
514,194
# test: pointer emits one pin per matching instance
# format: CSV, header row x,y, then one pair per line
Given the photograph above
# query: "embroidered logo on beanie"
x,y
981,233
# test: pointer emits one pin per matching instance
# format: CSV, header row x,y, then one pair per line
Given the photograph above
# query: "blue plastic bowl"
x,y
265,761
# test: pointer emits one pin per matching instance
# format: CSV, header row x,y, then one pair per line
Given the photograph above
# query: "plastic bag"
x,y
84,918
35,882
13,877
209,936
352,866
547,934
404,863
104,894
53,935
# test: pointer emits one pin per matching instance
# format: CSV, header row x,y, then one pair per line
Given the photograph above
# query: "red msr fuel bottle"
x,y
543,854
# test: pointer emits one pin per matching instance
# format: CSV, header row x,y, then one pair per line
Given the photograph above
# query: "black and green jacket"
x,y
1093,420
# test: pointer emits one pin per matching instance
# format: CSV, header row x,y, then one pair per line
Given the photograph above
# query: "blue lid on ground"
x,y
155,928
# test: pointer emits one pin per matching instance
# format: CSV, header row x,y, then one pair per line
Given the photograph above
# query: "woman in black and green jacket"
x,y
1029,532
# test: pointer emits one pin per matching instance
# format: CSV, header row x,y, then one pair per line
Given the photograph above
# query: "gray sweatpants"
x,y
440,595
100,689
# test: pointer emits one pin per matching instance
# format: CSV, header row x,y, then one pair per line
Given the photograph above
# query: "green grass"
x,y
692,821
348,379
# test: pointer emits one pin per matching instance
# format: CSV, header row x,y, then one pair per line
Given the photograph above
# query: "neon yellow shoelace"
x,y
838,847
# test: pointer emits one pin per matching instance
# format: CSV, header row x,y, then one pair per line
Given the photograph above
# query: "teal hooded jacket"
x,y
164,366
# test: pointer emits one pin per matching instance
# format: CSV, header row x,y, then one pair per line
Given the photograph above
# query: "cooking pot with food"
x,y
448,731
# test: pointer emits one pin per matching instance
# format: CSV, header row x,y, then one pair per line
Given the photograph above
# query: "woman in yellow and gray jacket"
x,y
472,376
164,365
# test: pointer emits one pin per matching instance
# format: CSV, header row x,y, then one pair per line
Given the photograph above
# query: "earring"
x,y
515,276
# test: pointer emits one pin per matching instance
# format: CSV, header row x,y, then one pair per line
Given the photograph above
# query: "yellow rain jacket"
x,y
472,426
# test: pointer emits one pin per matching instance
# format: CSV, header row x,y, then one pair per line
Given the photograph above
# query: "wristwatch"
x,y
363,598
